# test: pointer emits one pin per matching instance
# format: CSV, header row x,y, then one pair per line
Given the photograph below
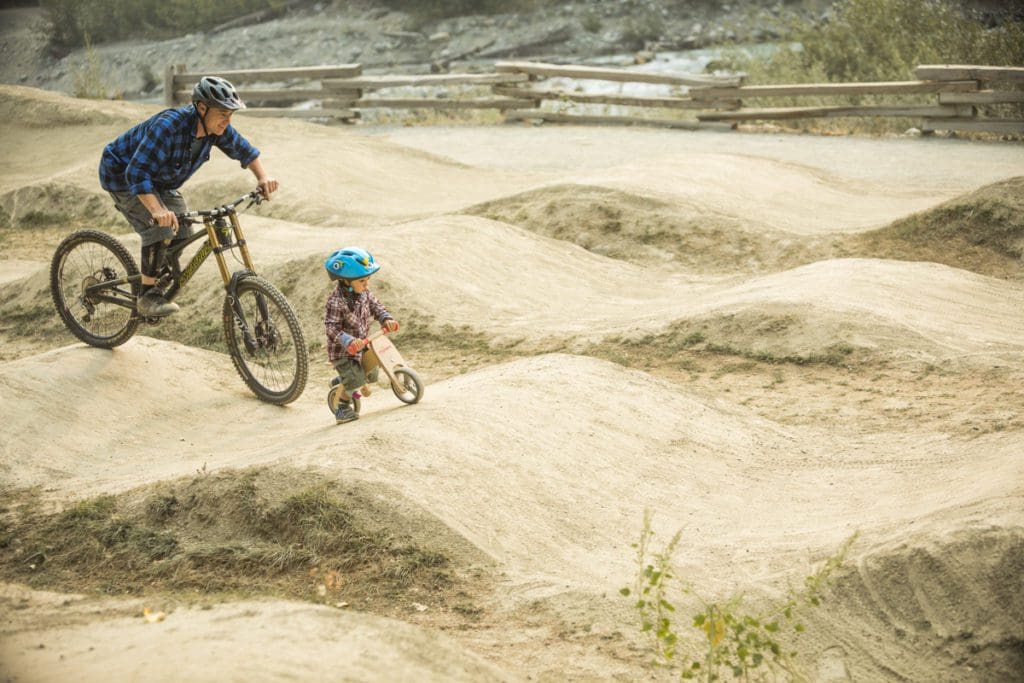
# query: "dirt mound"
x,y
34,108
778,333
239,640
646,230
982,231
48,204
955,597
842,311
270,532
27,316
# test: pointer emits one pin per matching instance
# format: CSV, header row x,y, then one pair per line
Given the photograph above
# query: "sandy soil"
x,y
544,459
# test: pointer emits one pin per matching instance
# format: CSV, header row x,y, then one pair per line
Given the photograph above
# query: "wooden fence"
x,y
959,89
519,90
263,87
647,104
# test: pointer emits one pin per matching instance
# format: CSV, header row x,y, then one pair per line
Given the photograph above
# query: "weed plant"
x,y
735,640
88,78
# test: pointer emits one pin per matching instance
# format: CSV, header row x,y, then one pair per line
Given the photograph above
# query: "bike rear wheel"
x,y
334,398
270,352
86,258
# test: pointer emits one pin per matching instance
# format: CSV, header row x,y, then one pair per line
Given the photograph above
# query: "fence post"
x,y
169,73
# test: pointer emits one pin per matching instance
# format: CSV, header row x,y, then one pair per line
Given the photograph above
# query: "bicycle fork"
x,y
220,236
249,338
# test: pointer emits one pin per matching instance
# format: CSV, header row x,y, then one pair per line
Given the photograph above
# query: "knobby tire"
x,y
89,257
276,370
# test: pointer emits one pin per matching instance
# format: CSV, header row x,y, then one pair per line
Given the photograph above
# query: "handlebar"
x,y
373,336
255,197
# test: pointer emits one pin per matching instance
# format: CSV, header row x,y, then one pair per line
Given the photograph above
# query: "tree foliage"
x,y
70,22
882,40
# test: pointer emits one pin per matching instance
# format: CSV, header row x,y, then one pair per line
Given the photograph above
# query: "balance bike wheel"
x,y
334,398
407,385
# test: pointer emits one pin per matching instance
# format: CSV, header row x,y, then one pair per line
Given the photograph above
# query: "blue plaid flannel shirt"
x,y
154,155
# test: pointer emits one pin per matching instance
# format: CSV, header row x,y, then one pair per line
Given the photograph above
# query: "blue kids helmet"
x,y
350,263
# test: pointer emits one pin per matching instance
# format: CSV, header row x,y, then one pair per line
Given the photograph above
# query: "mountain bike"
x,y
95,284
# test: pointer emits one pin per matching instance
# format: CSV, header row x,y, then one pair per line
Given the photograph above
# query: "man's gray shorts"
x,y
140,218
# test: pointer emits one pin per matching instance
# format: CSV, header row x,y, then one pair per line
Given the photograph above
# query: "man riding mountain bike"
x,y
144,167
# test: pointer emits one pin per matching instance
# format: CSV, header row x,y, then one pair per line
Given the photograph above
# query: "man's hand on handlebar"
x,y
166,219
267,186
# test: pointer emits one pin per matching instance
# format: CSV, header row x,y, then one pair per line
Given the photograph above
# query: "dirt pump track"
x,y
538,449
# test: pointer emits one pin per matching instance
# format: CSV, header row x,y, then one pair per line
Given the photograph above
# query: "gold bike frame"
x,y
215,241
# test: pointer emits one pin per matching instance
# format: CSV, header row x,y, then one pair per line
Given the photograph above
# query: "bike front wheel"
x,y
407,385
100,316
265,341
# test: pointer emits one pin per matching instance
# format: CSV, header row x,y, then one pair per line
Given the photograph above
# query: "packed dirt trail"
x,y
845,392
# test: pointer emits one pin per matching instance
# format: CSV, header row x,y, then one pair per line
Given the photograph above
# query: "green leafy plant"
x,y
735,640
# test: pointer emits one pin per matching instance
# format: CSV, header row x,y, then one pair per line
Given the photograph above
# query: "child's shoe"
x,y
344,413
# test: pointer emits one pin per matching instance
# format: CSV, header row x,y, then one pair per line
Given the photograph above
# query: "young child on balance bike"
x,y
347,315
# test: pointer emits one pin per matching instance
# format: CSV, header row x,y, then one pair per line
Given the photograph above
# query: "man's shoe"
x,y
152,304
344,413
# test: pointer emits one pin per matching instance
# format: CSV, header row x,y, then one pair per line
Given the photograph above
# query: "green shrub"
x,y
885,40
878,40
881,40
70,21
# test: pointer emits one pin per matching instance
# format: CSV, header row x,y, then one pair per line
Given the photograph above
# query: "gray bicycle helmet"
x,y
214,91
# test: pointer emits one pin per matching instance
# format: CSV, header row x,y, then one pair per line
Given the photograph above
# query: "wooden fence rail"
x,y
446,100
959,90
517,88
335,102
